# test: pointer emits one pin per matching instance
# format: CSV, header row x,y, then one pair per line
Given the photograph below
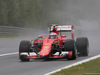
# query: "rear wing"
x,y
63,28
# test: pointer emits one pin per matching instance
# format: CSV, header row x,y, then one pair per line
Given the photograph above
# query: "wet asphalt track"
x,y
75,12
11,65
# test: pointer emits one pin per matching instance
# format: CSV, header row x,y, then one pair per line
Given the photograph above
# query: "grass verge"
x,y
88,68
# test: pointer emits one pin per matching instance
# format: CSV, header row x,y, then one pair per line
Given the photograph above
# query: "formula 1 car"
x,y
55,45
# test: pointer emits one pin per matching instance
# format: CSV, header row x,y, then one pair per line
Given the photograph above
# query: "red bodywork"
x,y
44,51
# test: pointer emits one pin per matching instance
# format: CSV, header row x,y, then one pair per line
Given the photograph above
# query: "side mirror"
x,y
63,36
40,36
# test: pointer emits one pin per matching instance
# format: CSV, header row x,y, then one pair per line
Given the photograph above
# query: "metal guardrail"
x,y
9,30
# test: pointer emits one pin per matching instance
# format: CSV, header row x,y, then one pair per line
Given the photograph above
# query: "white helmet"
x,y
53,35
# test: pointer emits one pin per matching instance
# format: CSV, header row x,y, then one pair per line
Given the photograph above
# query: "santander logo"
x,y
64,27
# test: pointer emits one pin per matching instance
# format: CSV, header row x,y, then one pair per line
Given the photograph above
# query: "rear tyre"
x,y
82,45
24,47
70,46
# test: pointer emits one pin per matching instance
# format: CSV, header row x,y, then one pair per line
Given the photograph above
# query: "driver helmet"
x,y
53,35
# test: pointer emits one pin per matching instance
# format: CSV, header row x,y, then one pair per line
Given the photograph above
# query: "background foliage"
x,y
28,13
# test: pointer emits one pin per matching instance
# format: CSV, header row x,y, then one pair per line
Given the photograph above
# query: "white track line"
x,y
8,54
77,63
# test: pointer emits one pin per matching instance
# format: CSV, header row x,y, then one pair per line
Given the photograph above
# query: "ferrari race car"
x,y
55,45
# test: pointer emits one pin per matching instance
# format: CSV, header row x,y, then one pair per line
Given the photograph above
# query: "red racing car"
x,y
55,45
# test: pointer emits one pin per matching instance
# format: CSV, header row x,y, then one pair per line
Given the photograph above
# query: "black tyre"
x,y
82,46
24,58
24,47
70,46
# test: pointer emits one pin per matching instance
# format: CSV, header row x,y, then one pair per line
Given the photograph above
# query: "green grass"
x,y
89,68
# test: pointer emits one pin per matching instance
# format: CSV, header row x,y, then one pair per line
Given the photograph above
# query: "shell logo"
x,y
46,47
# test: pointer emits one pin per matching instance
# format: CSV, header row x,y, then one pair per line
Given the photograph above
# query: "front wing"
x,y
33,55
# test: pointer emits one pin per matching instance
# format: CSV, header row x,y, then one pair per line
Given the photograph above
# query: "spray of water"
x,y
83,14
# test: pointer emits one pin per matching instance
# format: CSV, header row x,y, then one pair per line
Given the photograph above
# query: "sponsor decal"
x,y
68,27
46,47
46,44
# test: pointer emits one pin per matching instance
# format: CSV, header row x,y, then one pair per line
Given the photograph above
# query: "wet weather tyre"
x,y
24,47
82,46
24,58
70,46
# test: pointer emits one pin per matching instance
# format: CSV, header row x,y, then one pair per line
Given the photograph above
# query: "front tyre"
x,y
24,58
24,47
70,46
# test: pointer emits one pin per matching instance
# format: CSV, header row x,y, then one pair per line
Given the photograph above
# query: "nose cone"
x,y
45,51
46,48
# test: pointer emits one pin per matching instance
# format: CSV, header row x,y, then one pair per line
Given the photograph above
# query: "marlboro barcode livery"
x,y
55,45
